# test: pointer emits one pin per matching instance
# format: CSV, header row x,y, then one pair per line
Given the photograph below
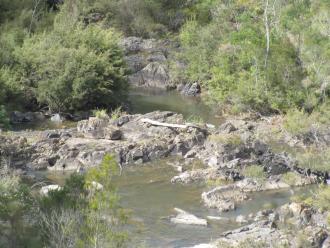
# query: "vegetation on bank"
x,y
67,66
78,215
261,55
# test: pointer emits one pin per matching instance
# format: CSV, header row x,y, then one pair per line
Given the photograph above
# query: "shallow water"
x,y
42,125
148,100
147,191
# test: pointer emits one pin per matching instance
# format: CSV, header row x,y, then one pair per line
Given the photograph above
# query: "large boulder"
x,y
19,117
154,74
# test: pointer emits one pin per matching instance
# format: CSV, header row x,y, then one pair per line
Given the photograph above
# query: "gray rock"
x,y
153,75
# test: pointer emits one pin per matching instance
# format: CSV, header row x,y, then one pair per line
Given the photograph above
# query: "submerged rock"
x,y
186,218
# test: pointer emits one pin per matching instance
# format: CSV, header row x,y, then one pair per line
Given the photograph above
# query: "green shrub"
x,y
101,113
81,69
195,119
291,178
297,122
230,61
115,114
314,158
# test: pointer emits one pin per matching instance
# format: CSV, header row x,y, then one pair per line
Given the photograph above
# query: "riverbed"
x,y
147,191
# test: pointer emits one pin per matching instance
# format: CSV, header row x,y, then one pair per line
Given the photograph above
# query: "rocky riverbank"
x,y
223,153
291,225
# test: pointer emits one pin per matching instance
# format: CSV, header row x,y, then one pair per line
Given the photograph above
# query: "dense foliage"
x,y
69,67
78,215
265,55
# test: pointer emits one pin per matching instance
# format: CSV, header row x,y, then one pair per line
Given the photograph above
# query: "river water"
x,y
147,192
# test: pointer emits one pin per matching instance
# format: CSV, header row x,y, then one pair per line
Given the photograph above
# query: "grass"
x,y
315,159
228,139
115,114
290,178
255,172
195,119
299,122
217,182
101,113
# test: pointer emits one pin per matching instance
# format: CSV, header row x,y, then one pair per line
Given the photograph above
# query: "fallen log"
x,y
171,125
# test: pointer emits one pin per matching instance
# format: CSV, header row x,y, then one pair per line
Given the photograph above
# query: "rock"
x,y
53,135
135,62
186,218
227,127
217,218
190,154
112,133
224,198
154,74
191,89
241,219
57,118
19,117
96,186
276,164
326,243
46,189
136,44
93,127
203,246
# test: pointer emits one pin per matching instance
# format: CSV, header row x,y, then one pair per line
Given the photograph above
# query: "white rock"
x,y
217,218
186,218
46,189
241,219
97,186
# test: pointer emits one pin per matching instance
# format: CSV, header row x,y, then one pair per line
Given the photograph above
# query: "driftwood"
x,y
164,124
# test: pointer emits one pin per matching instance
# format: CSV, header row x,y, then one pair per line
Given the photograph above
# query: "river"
x,y
147,191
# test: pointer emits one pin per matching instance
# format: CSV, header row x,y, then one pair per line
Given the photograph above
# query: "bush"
x,y
78,215
291,178
315,159
230,60
320,199
101,114
83,68
82,214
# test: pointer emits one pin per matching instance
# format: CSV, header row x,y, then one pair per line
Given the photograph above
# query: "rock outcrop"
x,y
128,138
147,60
306,230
